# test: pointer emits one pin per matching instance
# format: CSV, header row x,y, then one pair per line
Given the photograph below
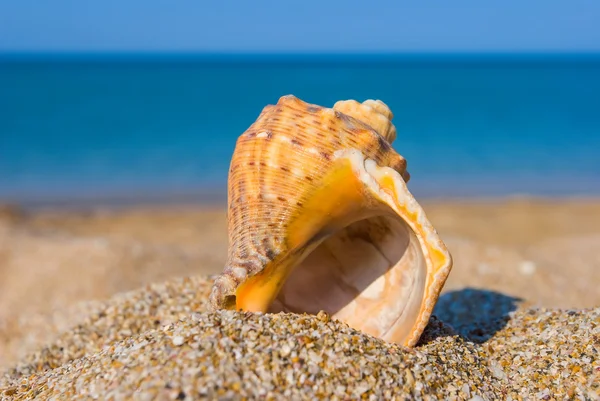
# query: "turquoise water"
x,y
109,128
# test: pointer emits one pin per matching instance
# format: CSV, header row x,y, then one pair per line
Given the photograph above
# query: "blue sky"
x,y
299,26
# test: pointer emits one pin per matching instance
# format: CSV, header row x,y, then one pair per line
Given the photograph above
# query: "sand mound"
x,y
160,343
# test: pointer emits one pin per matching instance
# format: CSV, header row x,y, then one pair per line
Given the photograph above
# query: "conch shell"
x,y
320,218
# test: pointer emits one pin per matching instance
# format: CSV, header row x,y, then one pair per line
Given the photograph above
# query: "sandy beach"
x,y
123,292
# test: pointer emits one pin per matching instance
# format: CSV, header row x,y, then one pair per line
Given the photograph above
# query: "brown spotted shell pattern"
x,y
320,218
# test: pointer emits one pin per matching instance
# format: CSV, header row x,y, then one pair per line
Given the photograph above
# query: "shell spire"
x,y
320,218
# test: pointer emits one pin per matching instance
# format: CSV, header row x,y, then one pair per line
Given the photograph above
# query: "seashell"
x,y
320,218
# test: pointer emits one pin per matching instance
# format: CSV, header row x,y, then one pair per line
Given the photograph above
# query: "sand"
x,y
111,304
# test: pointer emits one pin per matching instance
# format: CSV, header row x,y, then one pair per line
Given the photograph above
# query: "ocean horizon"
x,y
101,128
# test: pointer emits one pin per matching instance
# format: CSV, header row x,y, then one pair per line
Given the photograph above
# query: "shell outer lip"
x,y
439,260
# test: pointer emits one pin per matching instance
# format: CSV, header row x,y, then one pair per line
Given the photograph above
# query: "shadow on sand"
x,y
474,314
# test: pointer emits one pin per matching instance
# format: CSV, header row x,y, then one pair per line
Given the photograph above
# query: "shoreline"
x,y
213,201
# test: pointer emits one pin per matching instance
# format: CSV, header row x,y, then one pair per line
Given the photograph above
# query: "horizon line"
x,y
313,56
299,52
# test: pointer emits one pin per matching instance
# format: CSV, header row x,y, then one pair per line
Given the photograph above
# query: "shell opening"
x,y
378,266
370,274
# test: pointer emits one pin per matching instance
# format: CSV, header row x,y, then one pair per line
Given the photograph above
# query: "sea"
x,y
118,128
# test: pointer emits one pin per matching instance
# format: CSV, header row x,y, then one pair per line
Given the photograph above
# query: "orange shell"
x,y
320,218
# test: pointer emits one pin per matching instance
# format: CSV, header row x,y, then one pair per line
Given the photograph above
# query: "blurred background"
x,y
142,101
